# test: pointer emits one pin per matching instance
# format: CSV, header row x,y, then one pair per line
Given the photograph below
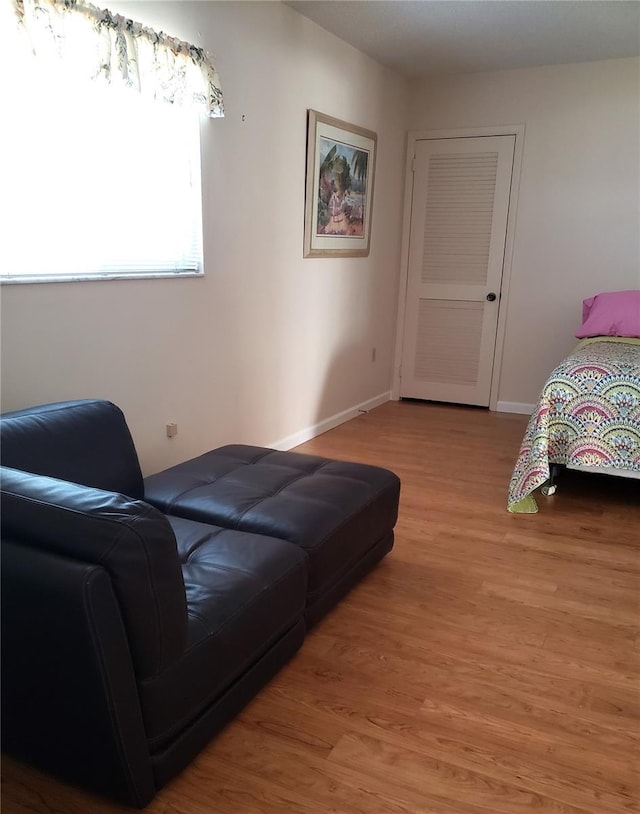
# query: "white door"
x,y
457,238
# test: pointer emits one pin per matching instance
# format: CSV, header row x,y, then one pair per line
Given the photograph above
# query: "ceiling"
x,y
425,38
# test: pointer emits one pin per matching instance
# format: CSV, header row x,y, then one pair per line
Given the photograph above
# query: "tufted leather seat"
x,y
205,609
243,593
140,616
341,514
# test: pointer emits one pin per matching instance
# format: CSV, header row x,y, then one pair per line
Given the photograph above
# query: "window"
x,y
98,183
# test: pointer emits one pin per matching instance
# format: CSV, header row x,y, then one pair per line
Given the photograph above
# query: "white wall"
x,y
577,230
268,344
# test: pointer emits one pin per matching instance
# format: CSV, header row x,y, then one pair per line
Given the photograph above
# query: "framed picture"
x,y
341,162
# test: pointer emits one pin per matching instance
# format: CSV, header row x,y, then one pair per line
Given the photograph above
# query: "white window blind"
x,y
98,183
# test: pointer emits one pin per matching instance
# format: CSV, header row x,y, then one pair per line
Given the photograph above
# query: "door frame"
x,y
414,136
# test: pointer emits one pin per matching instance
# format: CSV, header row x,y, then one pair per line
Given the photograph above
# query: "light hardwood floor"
x,y
489,665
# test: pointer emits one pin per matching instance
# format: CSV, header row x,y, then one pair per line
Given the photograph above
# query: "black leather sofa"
x,y
139,616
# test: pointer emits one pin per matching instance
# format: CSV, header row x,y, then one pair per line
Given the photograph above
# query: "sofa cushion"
x,y
335,511
244,592
131,540
86,442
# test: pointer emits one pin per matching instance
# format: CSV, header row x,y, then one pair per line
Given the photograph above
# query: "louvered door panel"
x,y
448,347
458,227
459,212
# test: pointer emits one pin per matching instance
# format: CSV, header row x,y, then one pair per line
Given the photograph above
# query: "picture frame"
x,y
339,187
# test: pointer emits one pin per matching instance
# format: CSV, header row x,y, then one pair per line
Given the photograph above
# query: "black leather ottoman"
x,y
342,514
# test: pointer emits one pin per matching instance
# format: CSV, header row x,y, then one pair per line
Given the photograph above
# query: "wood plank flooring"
x,y
489,665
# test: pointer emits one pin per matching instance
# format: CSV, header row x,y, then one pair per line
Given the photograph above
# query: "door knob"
x,y
491,296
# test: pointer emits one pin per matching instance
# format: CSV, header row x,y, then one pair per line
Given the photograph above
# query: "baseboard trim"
x,y
329,423
515,407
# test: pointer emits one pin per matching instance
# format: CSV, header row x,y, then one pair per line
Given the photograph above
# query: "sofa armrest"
x,y
132,541
69,697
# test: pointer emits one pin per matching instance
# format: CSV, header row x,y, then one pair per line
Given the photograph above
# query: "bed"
x,y
588,414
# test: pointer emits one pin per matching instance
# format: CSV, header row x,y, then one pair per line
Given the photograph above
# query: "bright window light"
x,y
98,183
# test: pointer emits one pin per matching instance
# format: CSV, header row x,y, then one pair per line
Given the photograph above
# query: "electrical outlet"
x,y
172,429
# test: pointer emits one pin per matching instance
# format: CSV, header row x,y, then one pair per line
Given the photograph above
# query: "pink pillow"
x,y
614,313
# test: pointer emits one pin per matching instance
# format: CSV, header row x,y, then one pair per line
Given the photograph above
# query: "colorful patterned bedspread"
x,y
588,415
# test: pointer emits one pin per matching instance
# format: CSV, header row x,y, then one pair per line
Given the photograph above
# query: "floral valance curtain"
x,y
100,45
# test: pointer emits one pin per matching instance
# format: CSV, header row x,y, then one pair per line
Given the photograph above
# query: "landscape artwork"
x,y
340,168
